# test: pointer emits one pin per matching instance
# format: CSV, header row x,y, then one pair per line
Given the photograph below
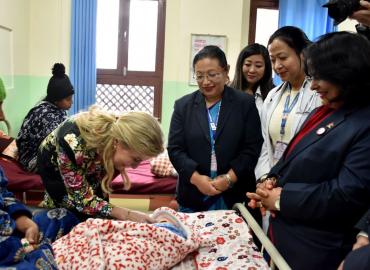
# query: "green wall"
x,y
27,91
171,92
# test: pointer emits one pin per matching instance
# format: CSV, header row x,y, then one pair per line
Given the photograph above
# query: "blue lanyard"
x,y
215,111
287,109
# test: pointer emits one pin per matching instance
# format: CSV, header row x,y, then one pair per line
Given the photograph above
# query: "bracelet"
x,y
277,204
273,179
228,180
363,234
262,178
27,246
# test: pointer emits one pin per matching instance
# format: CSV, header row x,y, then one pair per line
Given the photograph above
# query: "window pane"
x,y
266,24
142,35
125,98
107,34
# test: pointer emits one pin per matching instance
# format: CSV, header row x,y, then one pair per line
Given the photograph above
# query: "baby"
x,y
169,222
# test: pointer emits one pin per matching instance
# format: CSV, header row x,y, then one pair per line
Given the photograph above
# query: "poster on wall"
x,y
198,41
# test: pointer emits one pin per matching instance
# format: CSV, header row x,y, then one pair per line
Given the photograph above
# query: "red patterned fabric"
x,y
220,240
112,244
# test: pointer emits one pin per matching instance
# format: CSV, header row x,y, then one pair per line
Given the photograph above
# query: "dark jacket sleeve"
x,y
176,143
331,199
364,222
244,163
358,259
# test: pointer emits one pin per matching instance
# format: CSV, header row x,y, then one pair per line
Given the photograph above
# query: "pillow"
x,y
161,166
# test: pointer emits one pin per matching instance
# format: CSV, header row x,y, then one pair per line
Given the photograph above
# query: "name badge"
x,y
213,126
213,162
279,150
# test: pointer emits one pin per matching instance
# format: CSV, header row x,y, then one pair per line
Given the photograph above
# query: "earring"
x,y
115,142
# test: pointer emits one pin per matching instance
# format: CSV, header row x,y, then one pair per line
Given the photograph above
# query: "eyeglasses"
x,y
212,76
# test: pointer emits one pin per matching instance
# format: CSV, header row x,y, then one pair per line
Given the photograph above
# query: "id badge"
x,y
279,150
213,126
213,162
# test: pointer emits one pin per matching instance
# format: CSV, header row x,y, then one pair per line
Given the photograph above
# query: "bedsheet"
x,y
233,249
217,240
19,179
113,244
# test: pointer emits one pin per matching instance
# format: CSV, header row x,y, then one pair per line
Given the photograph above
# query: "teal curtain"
x,y
83,53
309,15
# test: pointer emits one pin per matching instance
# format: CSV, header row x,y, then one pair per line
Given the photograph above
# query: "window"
x,y
130,49
264,15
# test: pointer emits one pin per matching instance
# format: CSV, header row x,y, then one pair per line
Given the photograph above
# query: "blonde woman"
x,y
79,159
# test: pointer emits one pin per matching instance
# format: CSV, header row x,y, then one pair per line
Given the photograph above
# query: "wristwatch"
x,y
277,204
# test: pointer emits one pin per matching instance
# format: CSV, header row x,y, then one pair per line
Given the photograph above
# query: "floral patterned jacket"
x,y
39,122
71,173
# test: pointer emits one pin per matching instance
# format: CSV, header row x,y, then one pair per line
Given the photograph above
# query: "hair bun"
x,y
59,70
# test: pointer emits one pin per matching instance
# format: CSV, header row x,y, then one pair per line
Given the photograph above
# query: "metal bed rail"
x,y
266,243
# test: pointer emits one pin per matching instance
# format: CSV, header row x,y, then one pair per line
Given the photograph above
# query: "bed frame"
x,y
143,202
276,257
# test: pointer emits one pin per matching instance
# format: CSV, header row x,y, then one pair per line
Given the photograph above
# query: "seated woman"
x,y
25,242
320,187
44,117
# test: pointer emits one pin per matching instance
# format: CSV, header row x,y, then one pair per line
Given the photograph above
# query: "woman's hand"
x,y
127,214
220,183
204,184
361,241
269,197
30,229
141,217
255,202
256,198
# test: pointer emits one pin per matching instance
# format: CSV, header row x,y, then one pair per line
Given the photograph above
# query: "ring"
x,y
259,204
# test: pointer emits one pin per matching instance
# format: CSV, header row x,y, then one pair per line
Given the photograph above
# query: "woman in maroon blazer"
x,y
323,179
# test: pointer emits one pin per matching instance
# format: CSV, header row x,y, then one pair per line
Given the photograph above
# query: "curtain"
x,y
309,15
83,53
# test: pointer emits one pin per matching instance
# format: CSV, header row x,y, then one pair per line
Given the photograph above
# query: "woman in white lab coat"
x,y
287,105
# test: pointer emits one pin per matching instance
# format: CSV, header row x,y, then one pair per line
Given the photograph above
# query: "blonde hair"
x,y
137,131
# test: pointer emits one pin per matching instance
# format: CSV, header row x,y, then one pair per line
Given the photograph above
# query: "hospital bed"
x,y
234,248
